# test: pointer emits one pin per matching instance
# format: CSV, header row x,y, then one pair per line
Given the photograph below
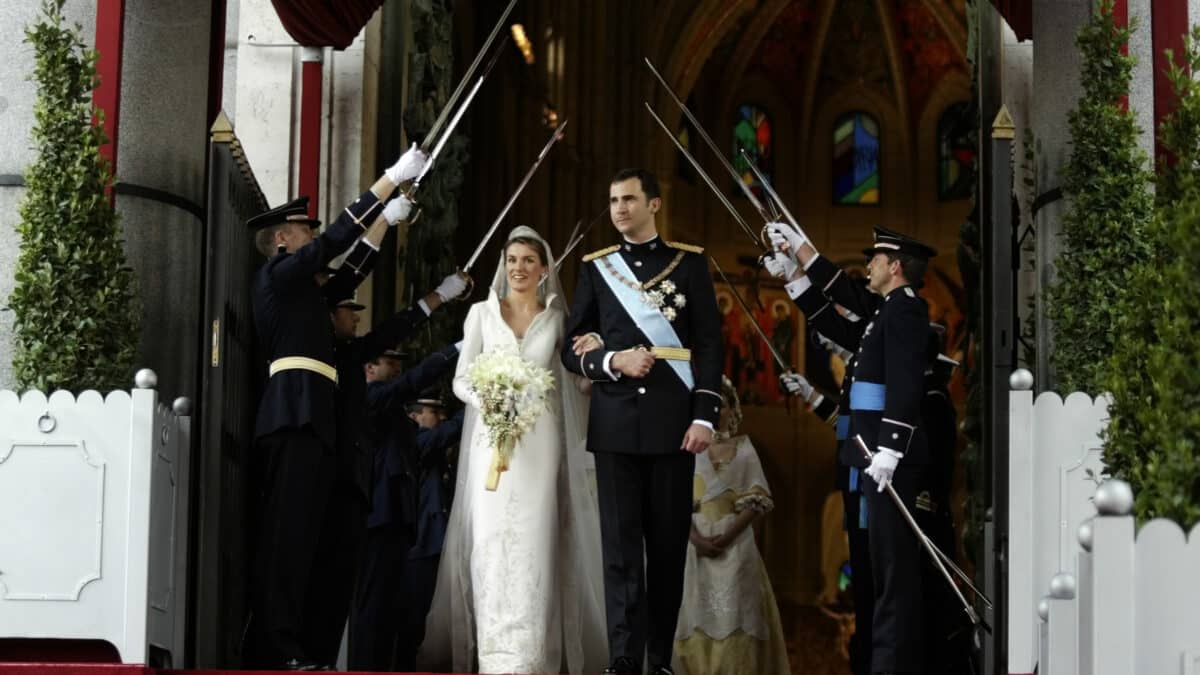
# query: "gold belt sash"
x,y
304,363
672,353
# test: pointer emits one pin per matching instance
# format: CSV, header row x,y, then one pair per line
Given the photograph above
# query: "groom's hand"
x,y
697,438
633,362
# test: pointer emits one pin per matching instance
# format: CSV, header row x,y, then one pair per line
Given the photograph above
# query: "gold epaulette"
x,y
601,253
691,248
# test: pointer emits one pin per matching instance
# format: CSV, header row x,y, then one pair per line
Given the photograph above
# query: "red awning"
x,y
1018,14
325,23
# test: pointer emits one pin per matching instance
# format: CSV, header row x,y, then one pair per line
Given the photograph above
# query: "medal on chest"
x,y
658,292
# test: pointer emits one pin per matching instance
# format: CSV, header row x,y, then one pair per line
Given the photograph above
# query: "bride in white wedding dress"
x,y
520,585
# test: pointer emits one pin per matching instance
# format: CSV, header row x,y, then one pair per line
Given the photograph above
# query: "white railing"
x,y
1054,465
1134,606
93,519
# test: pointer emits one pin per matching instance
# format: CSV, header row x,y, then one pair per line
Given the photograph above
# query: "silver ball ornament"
x,y
1021,380
182,406
1085,535
1043,610
1062,586
1114,497
145,379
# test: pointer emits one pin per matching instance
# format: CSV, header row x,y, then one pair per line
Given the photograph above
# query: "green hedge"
x,y
75,311
1154,372
1103,231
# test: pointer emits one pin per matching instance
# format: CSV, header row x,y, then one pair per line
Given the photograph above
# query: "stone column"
x,y
162,155
1056,90
17,94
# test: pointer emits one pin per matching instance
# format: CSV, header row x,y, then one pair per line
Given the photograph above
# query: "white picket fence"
x,y
93,519
1109,603
1053,467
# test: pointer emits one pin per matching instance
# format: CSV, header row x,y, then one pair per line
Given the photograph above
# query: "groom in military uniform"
x,y
645,330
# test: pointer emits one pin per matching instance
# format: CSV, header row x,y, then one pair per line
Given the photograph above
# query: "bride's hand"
x,y
582,344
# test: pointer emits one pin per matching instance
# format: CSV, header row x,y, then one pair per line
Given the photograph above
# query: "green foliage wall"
x,y
1110,207
75,311
1153,437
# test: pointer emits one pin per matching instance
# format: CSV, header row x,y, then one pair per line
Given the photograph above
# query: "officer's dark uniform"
x,y
295,431
343,532
434,446
376,620
636,429
885,408
824,319
949,648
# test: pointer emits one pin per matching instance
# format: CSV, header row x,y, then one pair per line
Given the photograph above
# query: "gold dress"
x,y
729,622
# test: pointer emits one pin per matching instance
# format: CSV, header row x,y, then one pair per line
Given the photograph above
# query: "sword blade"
x,y
554,138
934,552
758,205
709,181
462,83
576,241
775,200
750,315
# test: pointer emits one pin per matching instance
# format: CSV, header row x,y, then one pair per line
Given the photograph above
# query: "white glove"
x,y
458,346
783,233
781,265
396,210
796,385
883,465
451,287
408,167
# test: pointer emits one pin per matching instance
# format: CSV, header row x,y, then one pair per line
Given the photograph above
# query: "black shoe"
x,y
661,670
300,664
622,666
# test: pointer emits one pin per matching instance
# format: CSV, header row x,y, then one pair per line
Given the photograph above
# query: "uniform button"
x,y
895,436
591,366
716,410
641,390
637,263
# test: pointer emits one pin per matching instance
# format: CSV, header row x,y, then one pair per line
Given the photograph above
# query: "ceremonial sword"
x,y
770,192
769,216
462,83
934,552
712,186
554,138
784,367
575,241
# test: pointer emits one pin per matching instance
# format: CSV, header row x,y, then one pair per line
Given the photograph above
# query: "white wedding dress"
x,y
520,586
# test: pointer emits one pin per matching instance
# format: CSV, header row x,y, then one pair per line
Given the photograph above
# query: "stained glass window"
x,y
752,133
956,153
856,159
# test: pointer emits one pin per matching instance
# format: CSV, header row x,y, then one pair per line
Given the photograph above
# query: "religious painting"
x,y
749,363
856,160
956,153
752,134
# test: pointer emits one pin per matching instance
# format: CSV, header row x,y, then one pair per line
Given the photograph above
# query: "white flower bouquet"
x,y
512,395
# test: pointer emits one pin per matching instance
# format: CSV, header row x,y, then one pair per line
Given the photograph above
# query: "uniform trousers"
x,y
378,599
420,578
897,564
342,537
862,586
645,519
297,475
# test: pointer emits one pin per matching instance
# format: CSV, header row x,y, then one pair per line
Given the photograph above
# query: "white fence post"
x,y
1054,460
81,518
1061,627
1112,588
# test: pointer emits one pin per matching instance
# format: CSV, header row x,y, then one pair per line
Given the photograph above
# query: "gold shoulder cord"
x,y
647,285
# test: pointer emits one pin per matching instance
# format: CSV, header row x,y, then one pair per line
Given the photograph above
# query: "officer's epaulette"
x,y
692,248
601,253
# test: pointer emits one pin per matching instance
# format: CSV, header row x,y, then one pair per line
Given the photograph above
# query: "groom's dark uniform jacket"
x,y
653,411
636,428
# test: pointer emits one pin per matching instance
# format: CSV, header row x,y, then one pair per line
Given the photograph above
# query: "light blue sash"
x,y
843,427
866,395
656,327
